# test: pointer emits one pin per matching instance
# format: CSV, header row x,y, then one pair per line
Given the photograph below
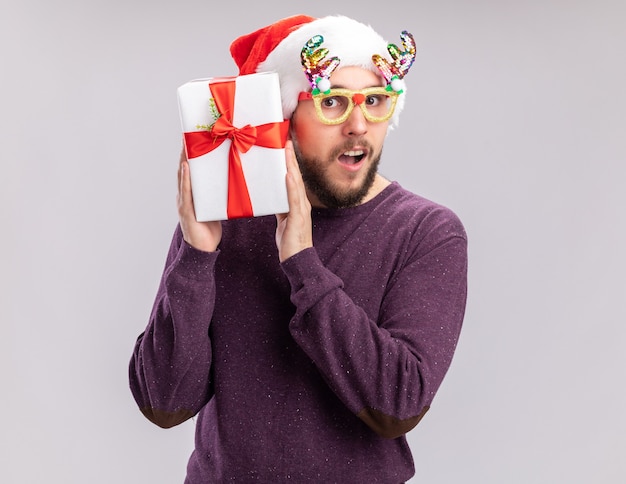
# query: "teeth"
x,y
353,153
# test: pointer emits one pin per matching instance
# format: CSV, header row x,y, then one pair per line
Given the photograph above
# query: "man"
x,y
309,343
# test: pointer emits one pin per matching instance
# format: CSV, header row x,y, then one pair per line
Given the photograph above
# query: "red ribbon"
x,y
198,143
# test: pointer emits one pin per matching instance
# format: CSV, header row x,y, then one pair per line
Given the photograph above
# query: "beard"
x,y
317,182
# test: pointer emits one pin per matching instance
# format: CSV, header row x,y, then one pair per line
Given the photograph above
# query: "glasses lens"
x,y
378,105
333,106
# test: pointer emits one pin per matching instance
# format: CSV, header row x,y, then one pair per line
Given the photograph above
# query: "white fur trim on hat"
x,y
353,42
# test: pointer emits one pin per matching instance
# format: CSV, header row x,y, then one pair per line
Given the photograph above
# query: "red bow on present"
x,y
198,143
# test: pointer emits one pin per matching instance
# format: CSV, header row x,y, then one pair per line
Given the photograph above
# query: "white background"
x,y
515,119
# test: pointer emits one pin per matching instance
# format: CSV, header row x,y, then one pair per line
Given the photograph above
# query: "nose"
x,y
356,124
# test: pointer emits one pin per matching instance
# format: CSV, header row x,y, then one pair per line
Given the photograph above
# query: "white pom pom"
x,y
397,84
323,84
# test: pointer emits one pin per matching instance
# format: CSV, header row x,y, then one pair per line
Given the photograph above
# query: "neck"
x,y
380,183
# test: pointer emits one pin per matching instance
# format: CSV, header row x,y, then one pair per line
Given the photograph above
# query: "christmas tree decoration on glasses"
x,y
334,106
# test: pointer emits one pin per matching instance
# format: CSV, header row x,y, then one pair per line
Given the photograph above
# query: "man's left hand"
x,y
294,229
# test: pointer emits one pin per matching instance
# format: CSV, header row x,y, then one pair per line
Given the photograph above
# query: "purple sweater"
x,y
314,369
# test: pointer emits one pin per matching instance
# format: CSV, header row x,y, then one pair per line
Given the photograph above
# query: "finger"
x,y
294,170
293,196
292,161
185,201
182,158
185,185
294,184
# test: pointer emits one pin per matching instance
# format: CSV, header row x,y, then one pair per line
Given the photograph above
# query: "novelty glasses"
x,y
335,105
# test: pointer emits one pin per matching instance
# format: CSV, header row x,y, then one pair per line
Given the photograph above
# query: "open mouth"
x,y
352,157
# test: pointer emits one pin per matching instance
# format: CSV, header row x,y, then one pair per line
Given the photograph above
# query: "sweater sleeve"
x,y
386,371
169,371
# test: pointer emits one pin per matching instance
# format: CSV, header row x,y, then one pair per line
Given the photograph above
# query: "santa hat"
x,y
277,48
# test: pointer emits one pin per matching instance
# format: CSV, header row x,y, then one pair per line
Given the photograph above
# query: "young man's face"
x,y
339,162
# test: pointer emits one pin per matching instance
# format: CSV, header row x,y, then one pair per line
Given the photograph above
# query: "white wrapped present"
x,y
234,136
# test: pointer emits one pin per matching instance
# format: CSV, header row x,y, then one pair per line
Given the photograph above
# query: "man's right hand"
x,y
204,236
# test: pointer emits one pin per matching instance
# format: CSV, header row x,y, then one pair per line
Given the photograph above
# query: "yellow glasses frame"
x,y
355,98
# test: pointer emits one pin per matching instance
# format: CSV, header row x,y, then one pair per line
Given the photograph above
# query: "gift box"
x,y
234,136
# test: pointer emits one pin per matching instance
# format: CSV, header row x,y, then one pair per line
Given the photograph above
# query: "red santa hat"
x,y
277,48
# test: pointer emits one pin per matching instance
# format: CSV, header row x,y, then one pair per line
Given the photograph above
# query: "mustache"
x,y
349,145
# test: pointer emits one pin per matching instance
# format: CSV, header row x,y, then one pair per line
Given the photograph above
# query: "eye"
x,y
332,102
375,99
